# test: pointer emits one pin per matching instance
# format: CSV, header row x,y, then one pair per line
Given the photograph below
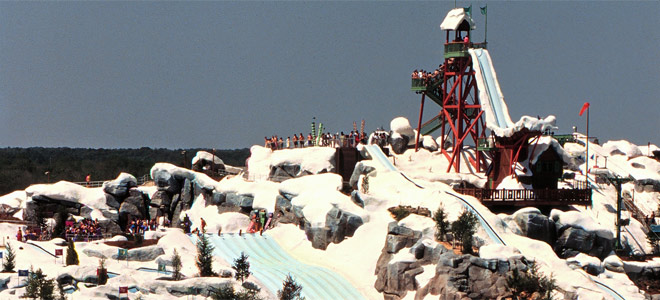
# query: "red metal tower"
x,y
460,118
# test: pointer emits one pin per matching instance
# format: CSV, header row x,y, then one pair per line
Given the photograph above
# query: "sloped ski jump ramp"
x,y
271,264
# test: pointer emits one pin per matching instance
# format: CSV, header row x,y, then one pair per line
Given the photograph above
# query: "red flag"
x,y
58,252
123,290
584,107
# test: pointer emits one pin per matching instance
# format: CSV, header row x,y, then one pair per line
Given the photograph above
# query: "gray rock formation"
x,y
339,225
120,186
166,182
573,240
147,253
537,226
360,169
399,143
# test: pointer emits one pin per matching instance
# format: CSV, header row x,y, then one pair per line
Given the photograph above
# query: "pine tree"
x,y
228,293
46,289
224,293
464,228
71,254
242,267
441,223
103,272
32,286
176,266
10,261
39,287
205,256
290,290
524,284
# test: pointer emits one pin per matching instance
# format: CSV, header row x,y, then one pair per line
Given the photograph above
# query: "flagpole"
x,y
587,144
486,27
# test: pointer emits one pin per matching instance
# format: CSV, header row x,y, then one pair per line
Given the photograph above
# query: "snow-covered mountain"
x,y
320,232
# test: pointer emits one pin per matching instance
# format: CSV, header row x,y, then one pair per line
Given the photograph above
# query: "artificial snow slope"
x,y
540,251
492,100
271,264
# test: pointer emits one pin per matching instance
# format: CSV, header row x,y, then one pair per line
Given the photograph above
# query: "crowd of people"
x,y
427,77
327,139
260,221
31,234
83,230
140,226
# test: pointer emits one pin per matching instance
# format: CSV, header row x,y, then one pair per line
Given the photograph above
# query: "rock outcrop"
x,y
407,251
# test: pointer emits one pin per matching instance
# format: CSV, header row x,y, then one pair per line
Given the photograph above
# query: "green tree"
x,y
242,267
464,228
32,286
71,254
205,256
524,284
176,265
46,289
10,261
103,272
290,290
224,293
441,223
228,293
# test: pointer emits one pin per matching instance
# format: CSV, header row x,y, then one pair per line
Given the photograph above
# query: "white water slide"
x,y
492,100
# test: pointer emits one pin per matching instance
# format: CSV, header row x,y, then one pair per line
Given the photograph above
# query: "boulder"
x,y
161,200
360,169
401,126
537,226
575,240
399,143
429,143
217,198
396,279
207,161
614,264
111,201
187,194
165,181
283,172
355,197
339,225
147,253
120,186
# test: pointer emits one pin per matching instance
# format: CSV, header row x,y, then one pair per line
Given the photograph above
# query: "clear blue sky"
x,y
225,74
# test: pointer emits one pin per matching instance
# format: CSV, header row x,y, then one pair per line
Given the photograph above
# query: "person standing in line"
x,y
19,235
288,142
88,178
295,140
280,143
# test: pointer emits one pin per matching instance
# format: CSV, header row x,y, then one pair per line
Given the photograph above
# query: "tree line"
x,y
22,167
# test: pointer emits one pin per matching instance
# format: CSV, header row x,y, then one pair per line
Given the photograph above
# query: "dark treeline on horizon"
x,y
22,167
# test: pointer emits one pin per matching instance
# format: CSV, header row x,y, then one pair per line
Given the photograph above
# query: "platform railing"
x,y
525,196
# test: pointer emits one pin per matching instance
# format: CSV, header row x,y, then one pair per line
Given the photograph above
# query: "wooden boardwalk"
x,y
524,197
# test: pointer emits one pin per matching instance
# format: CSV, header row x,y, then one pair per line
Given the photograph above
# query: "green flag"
x,y
468,10
483,10
161,267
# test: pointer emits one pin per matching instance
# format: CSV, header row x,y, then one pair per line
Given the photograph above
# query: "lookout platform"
x,y
524,197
